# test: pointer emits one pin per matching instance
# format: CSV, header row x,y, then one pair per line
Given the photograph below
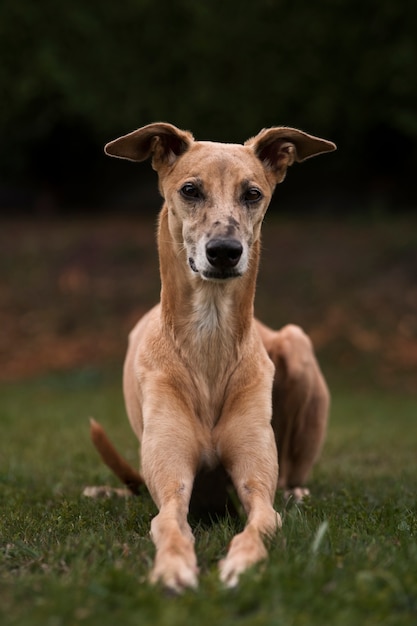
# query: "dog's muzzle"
x,y
220,259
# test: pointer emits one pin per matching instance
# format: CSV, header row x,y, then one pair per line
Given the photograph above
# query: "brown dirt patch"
x,y
71,289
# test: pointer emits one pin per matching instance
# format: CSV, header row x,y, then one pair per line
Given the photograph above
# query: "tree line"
x,y
76,74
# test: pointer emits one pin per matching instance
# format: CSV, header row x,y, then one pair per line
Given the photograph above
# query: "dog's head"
x,y
217,194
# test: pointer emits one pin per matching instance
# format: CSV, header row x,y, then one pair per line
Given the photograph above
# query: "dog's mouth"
x,y
193,266
214,274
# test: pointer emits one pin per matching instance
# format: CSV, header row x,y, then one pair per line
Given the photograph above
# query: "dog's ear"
x,y
164,142
280,146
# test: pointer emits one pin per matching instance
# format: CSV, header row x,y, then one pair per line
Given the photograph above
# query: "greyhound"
x,y
212,394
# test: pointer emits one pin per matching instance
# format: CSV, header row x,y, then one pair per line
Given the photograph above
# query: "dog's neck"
x,y
199,313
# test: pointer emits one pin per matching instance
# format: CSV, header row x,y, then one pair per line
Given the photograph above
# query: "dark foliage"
x,y
75,74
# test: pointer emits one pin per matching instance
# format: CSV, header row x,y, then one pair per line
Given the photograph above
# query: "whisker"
x,y
181,246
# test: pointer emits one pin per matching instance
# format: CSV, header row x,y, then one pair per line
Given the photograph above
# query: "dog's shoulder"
x,y
144,322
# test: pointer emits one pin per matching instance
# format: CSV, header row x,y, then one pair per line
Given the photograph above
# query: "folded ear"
x,y
164,142
280,146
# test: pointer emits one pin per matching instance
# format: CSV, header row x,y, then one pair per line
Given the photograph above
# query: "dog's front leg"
x,y
246,446
169,458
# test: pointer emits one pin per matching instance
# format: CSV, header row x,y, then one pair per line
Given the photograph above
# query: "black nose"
x,y
223,253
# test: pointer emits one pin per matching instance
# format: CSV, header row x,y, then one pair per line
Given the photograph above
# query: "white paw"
x,y
174,571
103,491
246,549
297,493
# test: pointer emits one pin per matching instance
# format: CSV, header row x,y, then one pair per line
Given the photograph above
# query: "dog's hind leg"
x,y
300,406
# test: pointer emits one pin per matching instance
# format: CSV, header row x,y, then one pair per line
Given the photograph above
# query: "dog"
x,y
212,394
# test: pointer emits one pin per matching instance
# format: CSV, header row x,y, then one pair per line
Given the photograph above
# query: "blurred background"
x,y
78,262
74,75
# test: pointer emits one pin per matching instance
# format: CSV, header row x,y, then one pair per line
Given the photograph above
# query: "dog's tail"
x,y
125,472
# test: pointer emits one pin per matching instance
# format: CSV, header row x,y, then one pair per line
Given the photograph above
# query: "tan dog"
x,y
201,372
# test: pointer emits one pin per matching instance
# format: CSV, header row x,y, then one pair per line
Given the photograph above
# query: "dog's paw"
x,y
103,491
246,549
298,494
175,571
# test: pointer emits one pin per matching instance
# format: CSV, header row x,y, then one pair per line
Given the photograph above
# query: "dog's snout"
x,y
223,253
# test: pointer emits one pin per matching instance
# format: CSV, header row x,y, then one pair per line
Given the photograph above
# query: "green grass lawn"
x,y
347,556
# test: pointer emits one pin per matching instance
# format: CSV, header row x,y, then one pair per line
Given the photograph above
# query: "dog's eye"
x,y
252,195
190,191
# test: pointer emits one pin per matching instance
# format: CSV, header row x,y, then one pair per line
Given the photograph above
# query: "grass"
x,y
347,556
